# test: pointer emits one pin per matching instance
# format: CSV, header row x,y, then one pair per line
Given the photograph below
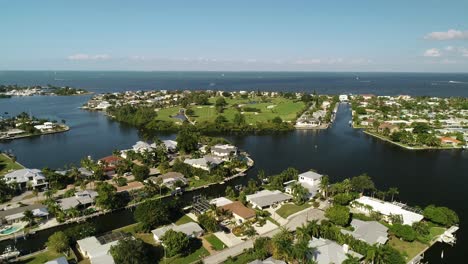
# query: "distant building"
x,y
170,179
27,177
191,229
371,232
343,98
171,145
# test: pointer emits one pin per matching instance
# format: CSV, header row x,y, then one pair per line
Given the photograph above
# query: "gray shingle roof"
x,y
369,231
267,198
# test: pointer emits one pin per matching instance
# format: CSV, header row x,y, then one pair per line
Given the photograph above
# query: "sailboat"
x,y
442,255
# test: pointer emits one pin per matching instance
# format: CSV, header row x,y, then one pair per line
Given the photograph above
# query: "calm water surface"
x,y
423,177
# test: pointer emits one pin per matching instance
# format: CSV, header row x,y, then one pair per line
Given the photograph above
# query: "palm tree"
x,y
303,233
301,252
314,228
393,191
351,260
324,182
28,217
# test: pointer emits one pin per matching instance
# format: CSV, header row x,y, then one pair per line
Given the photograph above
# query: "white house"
x,y
97,249
170,145
327,251
266,198
309,180
224,152
386,209
45,126
25,177
103,105
343,98
206,163
191,229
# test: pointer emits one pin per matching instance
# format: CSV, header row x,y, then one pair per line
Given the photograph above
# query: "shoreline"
x,y
129,206
65,129
408,147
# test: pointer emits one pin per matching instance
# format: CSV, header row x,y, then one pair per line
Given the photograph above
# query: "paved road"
x,y
293,223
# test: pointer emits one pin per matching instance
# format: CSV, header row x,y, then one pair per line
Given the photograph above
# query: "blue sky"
x,y
421,36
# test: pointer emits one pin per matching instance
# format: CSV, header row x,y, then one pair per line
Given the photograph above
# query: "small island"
x,y
24,125
8,91
415,123
218,111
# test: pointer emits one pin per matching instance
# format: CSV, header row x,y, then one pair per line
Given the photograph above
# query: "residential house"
x,y
224,152
110,164
14,215
141,147
327,251
450,141
191,229
266,198
44,127
27,178
170,179
269,260
79,200
206,163
371,232
409,216
309,180
96,249
171,145
240,212
391,127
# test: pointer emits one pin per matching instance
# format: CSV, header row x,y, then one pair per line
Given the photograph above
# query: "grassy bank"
x,y
7,165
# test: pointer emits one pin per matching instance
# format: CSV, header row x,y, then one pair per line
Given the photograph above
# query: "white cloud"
x,y
447,35
81,56
308,61
432,53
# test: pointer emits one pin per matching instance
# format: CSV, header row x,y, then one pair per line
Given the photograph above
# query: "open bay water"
x,y
423,177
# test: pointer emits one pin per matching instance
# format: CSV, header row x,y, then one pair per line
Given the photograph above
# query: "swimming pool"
x,y
10,230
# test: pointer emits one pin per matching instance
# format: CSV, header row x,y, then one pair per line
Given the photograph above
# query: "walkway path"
x,y
293,223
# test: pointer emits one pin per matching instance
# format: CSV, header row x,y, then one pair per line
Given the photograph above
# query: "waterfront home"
x,y
170,179
110,164
269,260
371,232
386,125
206,163
239,211
171,145
326,251
191,229
224,152
309,180
25,178
141,147
343,98
220,201
103,105
96,249
44,127
367,204
61,260
79,200
450,141
15,215
266,198
85,173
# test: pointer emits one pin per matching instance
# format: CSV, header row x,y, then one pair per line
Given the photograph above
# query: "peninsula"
x,y
7,91
218,111
24,125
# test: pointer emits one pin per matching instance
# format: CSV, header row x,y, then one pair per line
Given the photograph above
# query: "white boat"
x,y
9,253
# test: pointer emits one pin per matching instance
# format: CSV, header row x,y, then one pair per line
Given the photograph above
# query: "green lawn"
x,y
166,113
290,208
197,255
241,259
183,220
285,108
7,165
43,257
216,244
408,249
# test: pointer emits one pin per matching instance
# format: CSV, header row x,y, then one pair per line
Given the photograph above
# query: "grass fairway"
x,y
166,113
216,244
409,249
289,209
7,165
285,108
